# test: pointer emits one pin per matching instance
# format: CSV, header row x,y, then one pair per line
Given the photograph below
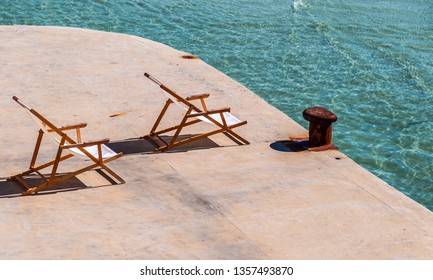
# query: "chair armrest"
x,y
209,112
71,126
198,96
86,144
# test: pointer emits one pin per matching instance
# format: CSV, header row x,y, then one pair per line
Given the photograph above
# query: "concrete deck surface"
x,y
212,199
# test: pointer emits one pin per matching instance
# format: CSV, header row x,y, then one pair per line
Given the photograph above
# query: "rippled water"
x,y
369,61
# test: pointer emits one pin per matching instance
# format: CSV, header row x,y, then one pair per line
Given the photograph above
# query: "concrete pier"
x,y
212,199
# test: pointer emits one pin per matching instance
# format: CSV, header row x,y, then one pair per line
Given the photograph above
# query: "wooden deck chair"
x,y
96,151
221,118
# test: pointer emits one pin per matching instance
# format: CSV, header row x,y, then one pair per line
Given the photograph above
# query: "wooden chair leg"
x,y
181,125
58,157
36,150
161,115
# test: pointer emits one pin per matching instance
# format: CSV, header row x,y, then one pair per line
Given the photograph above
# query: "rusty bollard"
x,y
320,131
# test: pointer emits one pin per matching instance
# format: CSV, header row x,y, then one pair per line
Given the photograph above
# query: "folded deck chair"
x,y
221,118
96,151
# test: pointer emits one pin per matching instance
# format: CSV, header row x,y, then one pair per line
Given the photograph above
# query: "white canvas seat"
x,y
93,150
229,118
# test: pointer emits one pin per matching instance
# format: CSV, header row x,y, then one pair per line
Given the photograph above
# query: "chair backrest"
x,y
176,98
44,124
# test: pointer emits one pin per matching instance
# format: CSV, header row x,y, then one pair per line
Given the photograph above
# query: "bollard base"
x,y
323,148
302,144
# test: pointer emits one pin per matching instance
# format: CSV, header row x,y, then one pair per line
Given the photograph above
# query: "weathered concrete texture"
x,y
212,199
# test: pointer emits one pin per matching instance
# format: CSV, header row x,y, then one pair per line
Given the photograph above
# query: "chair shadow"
x,y
12,188
290,146
135,146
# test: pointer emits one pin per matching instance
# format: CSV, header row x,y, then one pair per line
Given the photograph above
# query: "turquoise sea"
x,y
368,61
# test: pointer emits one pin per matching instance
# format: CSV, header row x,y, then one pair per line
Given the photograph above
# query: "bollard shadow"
x,y
291,146
134,146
